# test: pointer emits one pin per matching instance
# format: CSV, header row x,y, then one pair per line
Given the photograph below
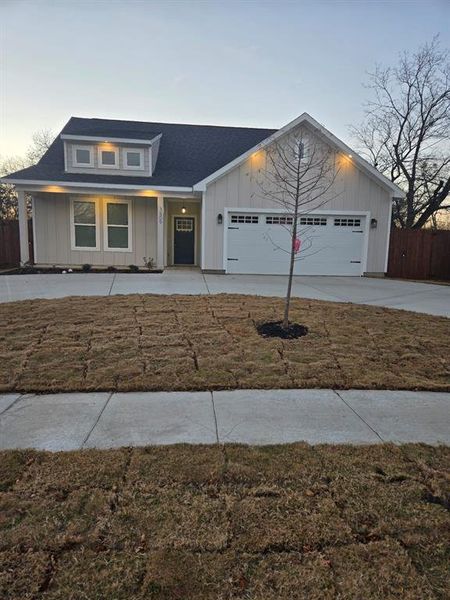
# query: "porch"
x,y
114,229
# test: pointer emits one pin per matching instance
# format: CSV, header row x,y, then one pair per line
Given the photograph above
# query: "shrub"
x,y
111,269
86,267
149,263
133,268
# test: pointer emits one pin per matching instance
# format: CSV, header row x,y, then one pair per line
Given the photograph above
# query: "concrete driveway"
x,y
420,297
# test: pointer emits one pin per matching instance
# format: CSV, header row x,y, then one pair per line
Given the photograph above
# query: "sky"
x,y
251,63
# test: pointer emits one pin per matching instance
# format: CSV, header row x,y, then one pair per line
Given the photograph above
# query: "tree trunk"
x,y
291,269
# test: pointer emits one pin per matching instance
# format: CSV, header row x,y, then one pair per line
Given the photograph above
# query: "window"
x,y
84,219
347,222
108,159
184,224
117,225
313,221
82,156
249,219
133,158
279,220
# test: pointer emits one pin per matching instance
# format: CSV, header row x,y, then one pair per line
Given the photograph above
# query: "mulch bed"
x,y
61,270
153,342
231,522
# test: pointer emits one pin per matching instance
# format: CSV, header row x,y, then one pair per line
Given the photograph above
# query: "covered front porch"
x,y
110,228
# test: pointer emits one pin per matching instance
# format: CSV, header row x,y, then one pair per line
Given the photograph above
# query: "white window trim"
x,y
116,156
124,159
97,225
91,155
127,201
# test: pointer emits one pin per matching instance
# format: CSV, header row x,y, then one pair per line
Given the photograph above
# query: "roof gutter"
x,y
42,184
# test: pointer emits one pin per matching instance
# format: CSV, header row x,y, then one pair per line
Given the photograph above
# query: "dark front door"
x,y
183,241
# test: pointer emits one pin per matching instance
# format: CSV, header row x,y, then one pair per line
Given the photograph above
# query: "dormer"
x,y
109,155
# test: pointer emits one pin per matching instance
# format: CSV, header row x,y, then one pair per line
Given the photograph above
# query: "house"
x,y
110,192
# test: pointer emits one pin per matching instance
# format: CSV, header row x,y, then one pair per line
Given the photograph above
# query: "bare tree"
x,y
299,176
406,131
42,141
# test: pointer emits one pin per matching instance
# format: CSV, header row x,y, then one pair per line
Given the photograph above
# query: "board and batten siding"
x,y
241,188
53,234
96,170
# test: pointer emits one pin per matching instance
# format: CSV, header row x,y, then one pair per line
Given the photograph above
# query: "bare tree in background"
x,y
299,174
42,141
406,133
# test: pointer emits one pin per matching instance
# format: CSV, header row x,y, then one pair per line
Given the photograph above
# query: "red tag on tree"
x,y
297,245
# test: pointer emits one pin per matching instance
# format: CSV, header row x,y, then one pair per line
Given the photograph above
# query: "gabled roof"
x,y
187,153
335,142
190,156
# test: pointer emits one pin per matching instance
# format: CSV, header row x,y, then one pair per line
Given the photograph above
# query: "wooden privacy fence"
x,y
419,254
10,242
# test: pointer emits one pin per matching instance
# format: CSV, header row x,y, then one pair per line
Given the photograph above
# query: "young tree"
x,y
8,197
299,176
406,131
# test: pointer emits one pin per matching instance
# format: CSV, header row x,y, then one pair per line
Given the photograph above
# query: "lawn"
x,y
149,342
231,522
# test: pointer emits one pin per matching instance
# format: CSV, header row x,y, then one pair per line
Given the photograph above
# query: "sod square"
x,y
13,463
373,508
431,560
294,466
97,576
59,474
22,574
159,518
292,576
184,464
49,523
285,522
378,571
177,574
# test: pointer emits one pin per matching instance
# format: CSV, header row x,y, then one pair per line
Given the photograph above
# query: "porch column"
x,y
23,227
160,233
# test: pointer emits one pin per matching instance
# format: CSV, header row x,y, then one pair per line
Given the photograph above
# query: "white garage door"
x,y
260,243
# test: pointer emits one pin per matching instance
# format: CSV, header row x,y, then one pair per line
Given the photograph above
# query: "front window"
x,y
84,225
108,159
117,226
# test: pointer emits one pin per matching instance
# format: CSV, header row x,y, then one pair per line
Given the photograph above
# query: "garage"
x,y
331,243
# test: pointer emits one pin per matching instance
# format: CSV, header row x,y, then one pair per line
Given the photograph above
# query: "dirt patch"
x,y
276,329
231,522
169,343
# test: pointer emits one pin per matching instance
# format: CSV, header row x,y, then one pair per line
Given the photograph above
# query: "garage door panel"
x,y
336,248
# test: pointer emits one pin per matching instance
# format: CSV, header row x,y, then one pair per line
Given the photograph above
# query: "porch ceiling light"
x,y
183,210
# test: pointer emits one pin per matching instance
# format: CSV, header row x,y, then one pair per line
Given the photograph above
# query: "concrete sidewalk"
x,y
108,420
409,295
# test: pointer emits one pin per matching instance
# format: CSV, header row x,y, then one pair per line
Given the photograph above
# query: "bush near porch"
x,y
150,342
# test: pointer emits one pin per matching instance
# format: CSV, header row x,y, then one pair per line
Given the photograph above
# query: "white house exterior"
x,y
114,193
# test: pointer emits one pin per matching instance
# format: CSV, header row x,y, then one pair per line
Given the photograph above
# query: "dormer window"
x,y
133,158
82,156
108,158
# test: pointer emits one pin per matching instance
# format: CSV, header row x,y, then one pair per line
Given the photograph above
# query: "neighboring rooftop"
x,y
187,153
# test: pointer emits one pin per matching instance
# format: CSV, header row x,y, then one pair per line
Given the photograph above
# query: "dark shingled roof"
x,y
187,153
